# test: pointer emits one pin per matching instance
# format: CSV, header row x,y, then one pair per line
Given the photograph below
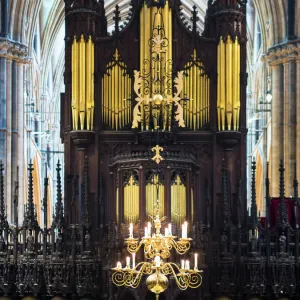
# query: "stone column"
x,y
275,134
14,130
291,126
286,121
2,109
298,117
9,182
20,130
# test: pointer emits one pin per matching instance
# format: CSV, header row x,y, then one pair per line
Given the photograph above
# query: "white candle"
x,y
127,262
186,226
133,260
187,264
131,230
157,261
196,261
182,264
149,228
119,265
166,232
146,231
182,231
170,229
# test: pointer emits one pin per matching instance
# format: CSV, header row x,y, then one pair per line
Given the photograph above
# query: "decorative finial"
x,y
253,195
157,157
2,202
45,199
117,19
194,18
282,220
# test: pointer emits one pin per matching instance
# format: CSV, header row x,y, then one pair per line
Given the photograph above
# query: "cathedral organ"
x,y
158,89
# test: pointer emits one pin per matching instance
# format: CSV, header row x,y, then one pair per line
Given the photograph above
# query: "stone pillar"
x,y
291,126
9,182
14,129
275,135
20,130
2,109
286,121
298,117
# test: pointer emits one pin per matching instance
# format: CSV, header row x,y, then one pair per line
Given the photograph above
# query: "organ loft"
x,y
153,122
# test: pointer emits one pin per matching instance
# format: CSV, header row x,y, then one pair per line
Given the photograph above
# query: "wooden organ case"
x,y
155,81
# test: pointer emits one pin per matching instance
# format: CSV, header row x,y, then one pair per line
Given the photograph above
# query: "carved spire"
x,y
45,199
268,198
59,214
117,19
296,199
30,219
226,208
195,18
282,220
16,199
253,197
2,201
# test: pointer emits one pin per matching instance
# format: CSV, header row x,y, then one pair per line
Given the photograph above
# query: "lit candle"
x,y
119,265
149,228
157,261
146,231
187,264
133,260
166,231
182,232
131,230
127,262
186,226
182,264
170,229
196,261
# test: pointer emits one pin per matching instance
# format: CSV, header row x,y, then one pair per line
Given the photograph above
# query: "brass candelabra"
x,y
157,251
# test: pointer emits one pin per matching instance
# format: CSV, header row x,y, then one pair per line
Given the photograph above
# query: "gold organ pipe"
x,y
92,86
208,97
75,84
88,82
82,81
234,81
194,96
219,95
238,104
106,93
199,104
112,97
122,96
117,97
229,73
223,82
190,118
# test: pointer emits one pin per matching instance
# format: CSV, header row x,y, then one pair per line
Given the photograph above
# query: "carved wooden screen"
x,y
196,91
116,92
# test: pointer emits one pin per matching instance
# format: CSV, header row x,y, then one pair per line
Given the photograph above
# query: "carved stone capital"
x,y
14,51
283,53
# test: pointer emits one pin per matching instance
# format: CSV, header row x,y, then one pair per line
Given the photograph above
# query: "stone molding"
x,y
14,51
283,53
